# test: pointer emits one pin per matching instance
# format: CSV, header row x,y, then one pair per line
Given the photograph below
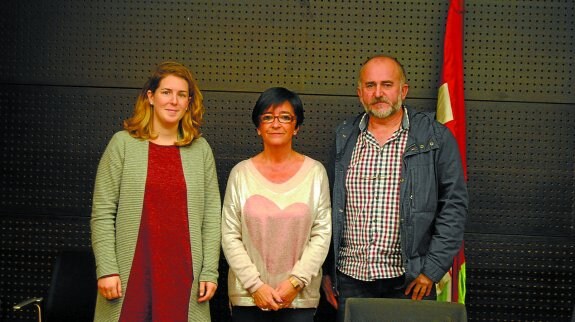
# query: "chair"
x,y
73,289
397,310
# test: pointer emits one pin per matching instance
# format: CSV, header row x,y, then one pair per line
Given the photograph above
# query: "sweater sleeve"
x,y
105,206
211,232
232,243
316,250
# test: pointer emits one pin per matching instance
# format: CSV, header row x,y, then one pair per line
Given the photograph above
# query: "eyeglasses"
x,y
282,118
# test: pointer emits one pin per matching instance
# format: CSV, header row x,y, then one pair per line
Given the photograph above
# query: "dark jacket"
x,y
433,195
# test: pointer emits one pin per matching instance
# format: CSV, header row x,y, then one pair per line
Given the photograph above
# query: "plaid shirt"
x,y
370,245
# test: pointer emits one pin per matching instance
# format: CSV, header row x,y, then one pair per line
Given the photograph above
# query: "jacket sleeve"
x,y
315,252
329,263
211,232
452,204
105,206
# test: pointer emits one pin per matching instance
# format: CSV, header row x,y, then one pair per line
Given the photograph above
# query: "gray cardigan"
x,y
117,208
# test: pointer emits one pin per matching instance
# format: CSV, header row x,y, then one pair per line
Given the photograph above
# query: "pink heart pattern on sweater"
x,y
279,235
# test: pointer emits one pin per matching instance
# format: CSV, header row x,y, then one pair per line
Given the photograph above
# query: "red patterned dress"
x,y
160,283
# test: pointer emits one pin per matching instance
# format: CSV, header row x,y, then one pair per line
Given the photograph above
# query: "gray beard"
x,y
383,114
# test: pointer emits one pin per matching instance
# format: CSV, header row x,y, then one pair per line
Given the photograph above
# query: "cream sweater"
x,y
271,231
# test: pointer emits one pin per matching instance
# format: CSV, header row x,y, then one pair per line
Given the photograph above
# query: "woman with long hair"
x,y
156,208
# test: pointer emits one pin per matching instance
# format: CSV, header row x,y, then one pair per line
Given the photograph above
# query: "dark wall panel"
x,y
521,168
519,278
520,50
514,50
70,72
53,139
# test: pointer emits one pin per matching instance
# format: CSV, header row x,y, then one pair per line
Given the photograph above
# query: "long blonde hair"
x,y
139,125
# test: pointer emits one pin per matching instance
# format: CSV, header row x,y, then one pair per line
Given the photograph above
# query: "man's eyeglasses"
x,y
282,118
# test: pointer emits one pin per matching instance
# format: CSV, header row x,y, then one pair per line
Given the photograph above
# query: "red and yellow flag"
x,y
451,112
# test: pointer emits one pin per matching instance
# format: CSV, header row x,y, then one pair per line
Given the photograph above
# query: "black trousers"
x,y
255,314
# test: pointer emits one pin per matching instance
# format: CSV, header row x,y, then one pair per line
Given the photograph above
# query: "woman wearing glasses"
x,y
276,224
156,208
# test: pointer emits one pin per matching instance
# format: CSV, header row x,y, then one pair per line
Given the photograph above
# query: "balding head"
x,y
366,64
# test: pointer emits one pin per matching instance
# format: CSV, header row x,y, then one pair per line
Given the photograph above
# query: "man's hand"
x,y
110,287
421,287
206,291
328,290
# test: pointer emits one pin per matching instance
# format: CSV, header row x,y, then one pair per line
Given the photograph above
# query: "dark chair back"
x,y
397,310
72,293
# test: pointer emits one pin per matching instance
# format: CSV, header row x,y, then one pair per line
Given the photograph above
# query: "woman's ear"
x,y
150,97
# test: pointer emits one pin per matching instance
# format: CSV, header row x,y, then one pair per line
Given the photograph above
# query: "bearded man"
x,y
399,197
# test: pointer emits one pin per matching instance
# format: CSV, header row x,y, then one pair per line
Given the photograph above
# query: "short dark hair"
x,y
273,97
